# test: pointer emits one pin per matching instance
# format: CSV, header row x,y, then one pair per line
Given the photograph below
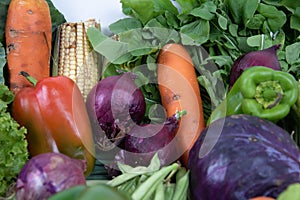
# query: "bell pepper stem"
x,y
32,80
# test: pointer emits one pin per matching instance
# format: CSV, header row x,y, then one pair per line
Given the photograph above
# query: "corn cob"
x,y
74,56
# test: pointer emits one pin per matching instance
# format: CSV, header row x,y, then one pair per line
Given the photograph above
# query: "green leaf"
x,y
152,167
125,24
116,52
255,22
2,63
147,9
292,192
13,151
206,11
291,5
275,18
233,29
197,31
292,52
295,19
187,5
222,21
241,11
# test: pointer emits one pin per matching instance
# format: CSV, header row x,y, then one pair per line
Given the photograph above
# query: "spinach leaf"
x,y
241,11
147,9
295,19
125,24
206,11
275,18
197,30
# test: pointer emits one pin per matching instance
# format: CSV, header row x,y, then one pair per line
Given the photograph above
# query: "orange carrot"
x,y
262,198
28,35
179,90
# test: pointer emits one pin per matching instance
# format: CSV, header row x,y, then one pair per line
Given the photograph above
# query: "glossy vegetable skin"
x,y
242,157
141,143
262,92
28,34
54,113
266,57
114,105
179,90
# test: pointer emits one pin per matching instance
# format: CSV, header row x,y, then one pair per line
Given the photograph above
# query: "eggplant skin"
x,y
249,157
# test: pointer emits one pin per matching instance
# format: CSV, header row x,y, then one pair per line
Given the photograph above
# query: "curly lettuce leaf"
x,y
13,151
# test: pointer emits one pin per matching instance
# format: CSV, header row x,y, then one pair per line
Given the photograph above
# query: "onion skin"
x,y
114,105
266,57
142,142
46,174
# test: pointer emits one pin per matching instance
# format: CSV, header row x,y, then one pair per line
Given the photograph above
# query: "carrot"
x,y
179,90
262,198
28,34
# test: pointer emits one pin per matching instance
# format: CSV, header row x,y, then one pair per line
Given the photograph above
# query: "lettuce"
x,y
13,151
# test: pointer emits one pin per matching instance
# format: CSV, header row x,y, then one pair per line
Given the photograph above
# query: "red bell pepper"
x,y
54,113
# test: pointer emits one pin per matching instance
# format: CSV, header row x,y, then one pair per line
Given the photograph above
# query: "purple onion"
x,y
114,105
266,57
46,174
142,142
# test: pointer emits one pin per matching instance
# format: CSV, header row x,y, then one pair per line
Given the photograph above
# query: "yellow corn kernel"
x,y
74,56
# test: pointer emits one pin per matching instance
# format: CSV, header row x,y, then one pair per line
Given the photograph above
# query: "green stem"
x,y
179,114
32,80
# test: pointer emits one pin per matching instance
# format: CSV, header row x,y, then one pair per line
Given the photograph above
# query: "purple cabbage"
x,y
47,174
266,57
246,158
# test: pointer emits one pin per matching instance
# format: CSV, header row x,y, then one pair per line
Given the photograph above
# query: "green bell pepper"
x,y
261,92
296,118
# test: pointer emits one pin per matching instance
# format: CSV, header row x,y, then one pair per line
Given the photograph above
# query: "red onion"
x,y
46,174
266,57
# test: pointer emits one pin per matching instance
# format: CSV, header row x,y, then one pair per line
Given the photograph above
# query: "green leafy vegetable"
x,y
147,9
13,151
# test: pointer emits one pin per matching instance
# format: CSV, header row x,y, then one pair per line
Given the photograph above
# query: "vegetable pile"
x,y
190,99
